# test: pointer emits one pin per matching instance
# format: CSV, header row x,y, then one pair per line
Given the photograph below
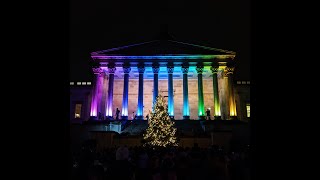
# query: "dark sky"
x,y
103,24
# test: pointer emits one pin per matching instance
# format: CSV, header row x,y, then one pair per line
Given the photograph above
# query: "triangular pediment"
x,y
162,47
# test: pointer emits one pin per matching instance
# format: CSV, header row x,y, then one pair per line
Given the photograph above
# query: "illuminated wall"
x,y
163,90
177,110
80,95
242,96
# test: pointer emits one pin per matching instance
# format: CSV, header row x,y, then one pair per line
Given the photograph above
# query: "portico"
x,y
191,82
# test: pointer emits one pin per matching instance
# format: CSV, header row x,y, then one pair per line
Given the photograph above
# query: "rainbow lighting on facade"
x,y
163,65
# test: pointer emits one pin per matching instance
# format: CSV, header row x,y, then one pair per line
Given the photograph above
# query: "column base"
x,y
124,117
186,117
233,118
217,117
93,118
202,117
109,118
139,118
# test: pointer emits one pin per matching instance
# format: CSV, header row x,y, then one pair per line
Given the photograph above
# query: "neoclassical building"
x,y
192,78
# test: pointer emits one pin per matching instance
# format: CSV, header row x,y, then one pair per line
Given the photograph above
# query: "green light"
x,y
200,94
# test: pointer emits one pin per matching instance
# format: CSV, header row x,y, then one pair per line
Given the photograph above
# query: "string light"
x,y
160,131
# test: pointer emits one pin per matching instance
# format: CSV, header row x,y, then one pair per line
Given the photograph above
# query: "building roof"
x,y
161,51
160,48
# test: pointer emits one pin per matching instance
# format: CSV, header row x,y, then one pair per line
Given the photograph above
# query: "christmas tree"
x,y
160,131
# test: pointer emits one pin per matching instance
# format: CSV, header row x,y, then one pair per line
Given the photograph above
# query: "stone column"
x,y
124,112
170,68
186,113
222,93
232,103
217,113
96,93
155,69
141,70
201,111
104,96
111,70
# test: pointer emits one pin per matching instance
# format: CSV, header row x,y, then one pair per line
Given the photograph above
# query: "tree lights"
x,y
160,131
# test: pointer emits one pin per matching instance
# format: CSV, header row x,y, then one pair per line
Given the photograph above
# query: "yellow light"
x,y
248,110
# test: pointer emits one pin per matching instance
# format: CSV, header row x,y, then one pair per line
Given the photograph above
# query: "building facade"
x,y
193,79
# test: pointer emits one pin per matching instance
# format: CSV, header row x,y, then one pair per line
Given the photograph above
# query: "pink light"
x,y
93,111
97,94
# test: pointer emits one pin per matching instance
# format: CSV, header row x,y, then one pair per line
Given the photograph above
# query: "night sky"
x,y
103,24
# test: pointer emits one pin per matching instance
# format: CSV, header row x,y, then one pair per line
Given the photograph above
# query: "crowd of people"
x,y
174,163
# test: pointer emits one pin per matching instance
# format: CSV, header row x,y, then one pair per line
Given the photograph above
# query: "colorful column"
x,y
111,71
170,91
217,112
232,102
96,93
141,70
104,96
201,111
186,113
124,112
155,69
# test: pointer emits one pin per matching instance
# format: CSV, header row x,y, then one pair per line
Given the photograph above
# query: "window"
x,y
71,83
84,83
78,83
88,83
77,113
238,82
248,110
244,82
248,82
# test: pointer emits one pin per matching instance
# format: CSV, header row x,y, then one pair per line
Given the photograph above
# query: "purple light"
x,y
93,111
97,95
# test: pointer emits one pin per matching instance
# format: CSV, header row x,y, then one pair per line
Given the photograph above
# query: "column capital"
x,y
185,68
228,71
155,68
141,69
170,69
214,69
199,68
97,70
126,69
111,68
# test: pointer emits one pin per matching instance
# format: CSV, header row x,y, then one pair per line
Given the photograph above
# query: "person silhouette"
x,y
117,114
208,114
99,116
